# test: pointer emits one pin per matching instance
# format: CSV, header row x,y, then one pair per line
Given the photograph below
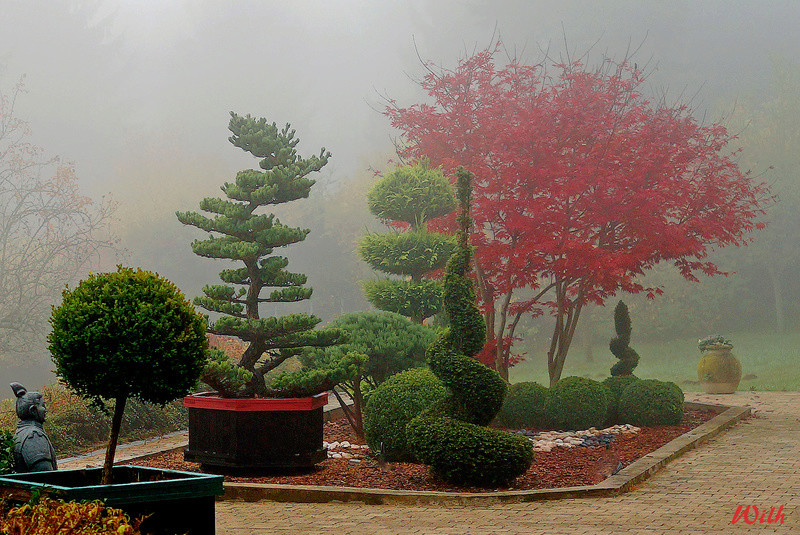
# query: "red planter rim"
x,y
212,400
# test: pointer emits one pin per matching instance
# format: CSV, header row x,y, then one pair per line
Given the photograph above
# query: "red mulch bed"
x,y
562,467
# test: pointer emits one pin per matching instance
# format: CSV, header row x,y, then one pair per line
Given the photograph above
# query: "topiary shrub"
x,y
523,406
616,385
577,403
127,334
451,436
393,404
650,402
628,358
464,457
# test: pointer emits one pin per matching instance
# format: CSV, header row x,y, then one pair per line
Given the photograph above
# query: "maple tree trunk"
x,y
116,423
501,354
566,320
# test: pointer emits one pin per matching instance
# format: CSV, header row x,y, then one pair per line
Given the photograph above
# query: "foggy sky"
x,y
137,92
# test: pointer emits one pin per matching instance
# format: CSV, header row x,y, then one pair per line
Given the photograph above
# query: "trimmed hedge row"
x,y
580,403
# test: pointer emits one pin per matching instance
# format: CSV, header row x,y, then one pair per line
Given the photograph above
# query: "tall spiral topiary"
x,y
451,437
628,358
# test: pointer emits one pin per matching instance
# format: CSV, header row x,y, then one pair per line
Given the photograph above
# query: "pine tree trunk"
x,y
116,423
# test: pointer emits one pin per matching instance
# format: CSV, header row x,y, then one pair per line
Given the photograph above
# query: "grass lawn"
x,y
774,360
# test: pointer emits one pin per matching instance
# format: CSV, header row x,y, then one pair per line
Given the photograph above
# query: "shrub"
x,y
396,402
577,403
127,334
628,358
524,406
616,385
464,454
649,402
6,452
48,517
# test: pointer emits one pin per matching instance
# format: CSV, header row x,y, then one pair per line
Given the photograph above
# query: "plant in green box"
x,y
127,334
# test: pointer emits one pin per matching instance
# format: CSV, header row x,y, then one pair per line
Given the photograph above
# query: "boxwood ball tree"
x,y
127,334
239,234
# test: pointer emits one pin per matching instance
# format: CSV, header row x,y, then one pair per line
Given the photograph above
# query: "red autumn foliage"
x,y
582,184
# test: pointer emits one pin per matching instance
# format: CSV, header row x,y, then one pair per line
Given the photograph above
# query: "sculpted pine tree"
x,y
408,197
239,234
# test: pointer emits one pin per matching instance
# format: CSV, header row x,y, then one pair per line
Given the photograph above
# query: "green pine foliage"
x,y
628,358
451,436
237,232
408,196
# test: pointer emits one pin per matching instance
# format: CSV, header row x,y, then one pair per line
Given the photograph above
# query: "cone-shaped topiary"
x,y
628,358
412,195
451,436
251,238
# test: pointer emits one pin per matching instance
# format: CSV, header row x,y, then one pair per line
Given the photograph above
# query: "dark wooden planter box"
x,y
173,501
255,433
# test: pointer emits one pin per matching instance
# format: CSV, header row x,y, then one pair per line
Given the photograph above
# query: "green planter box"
x,y
176,502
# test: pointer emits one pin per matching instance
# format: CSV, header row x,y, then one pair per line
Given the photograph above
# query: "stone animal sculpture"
x,y
33,451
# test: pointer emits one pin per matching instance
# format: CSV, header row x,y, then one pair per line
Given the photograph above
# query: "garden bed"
x,y
562,467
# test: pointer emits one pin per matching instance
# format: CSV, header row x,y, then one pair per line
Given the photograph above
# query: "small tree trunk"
x,y
116,422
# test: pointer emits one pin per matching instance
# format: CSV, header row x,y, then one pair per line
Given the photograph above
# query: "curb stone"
x,y
617,484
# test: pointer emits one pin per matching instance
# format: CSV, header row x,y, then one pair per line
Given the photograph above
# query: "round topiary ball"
x,y
650,402
523,407
393,404
128,334
616,385
577,403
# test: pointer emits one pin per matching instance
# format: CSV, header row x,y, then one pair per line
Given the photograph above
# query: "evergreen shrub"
x,y
649,402
524,406
577,403
616,385
394,404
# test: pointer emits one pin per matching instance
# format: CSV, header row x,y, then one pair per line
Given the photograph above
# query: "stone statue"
x,y
33,451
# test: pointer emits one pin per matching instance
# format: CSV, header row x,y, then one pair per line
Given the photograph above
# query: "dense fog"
x,y
137,93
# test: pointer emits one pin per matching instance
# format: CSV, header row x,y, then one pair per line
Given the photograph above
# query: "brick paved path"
x,y
757,462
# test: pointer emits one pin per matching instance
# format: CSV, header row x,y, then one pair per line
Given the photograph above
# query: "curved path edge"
x,y
623,481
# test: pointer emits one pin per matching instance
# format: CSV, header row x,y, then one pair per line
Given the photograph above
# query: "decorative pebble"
x,y
588,438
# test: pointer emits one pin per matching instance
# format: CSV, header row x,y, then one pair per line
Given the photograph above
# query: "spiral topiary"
x,y
523,407
628,358
393,404
451,437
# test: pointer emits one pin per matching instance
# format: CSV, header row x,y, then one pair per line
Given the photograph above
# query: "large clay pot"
x,y
719,371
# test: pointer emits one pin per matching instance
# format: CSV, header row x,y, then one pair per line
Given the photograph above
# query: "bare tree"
x,y
50,234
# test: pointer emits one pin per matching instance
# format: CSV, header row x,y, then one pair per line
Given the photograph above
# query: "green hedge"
x,y
616,385
577,403
524,406
649,402
393,404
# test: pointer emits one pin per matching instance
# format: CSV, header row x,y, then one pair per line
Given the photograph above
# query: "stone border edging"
x,y
623,481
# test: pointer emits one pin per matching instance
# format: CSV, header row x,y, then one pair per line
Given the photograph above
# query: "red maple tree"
x,y
582,184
